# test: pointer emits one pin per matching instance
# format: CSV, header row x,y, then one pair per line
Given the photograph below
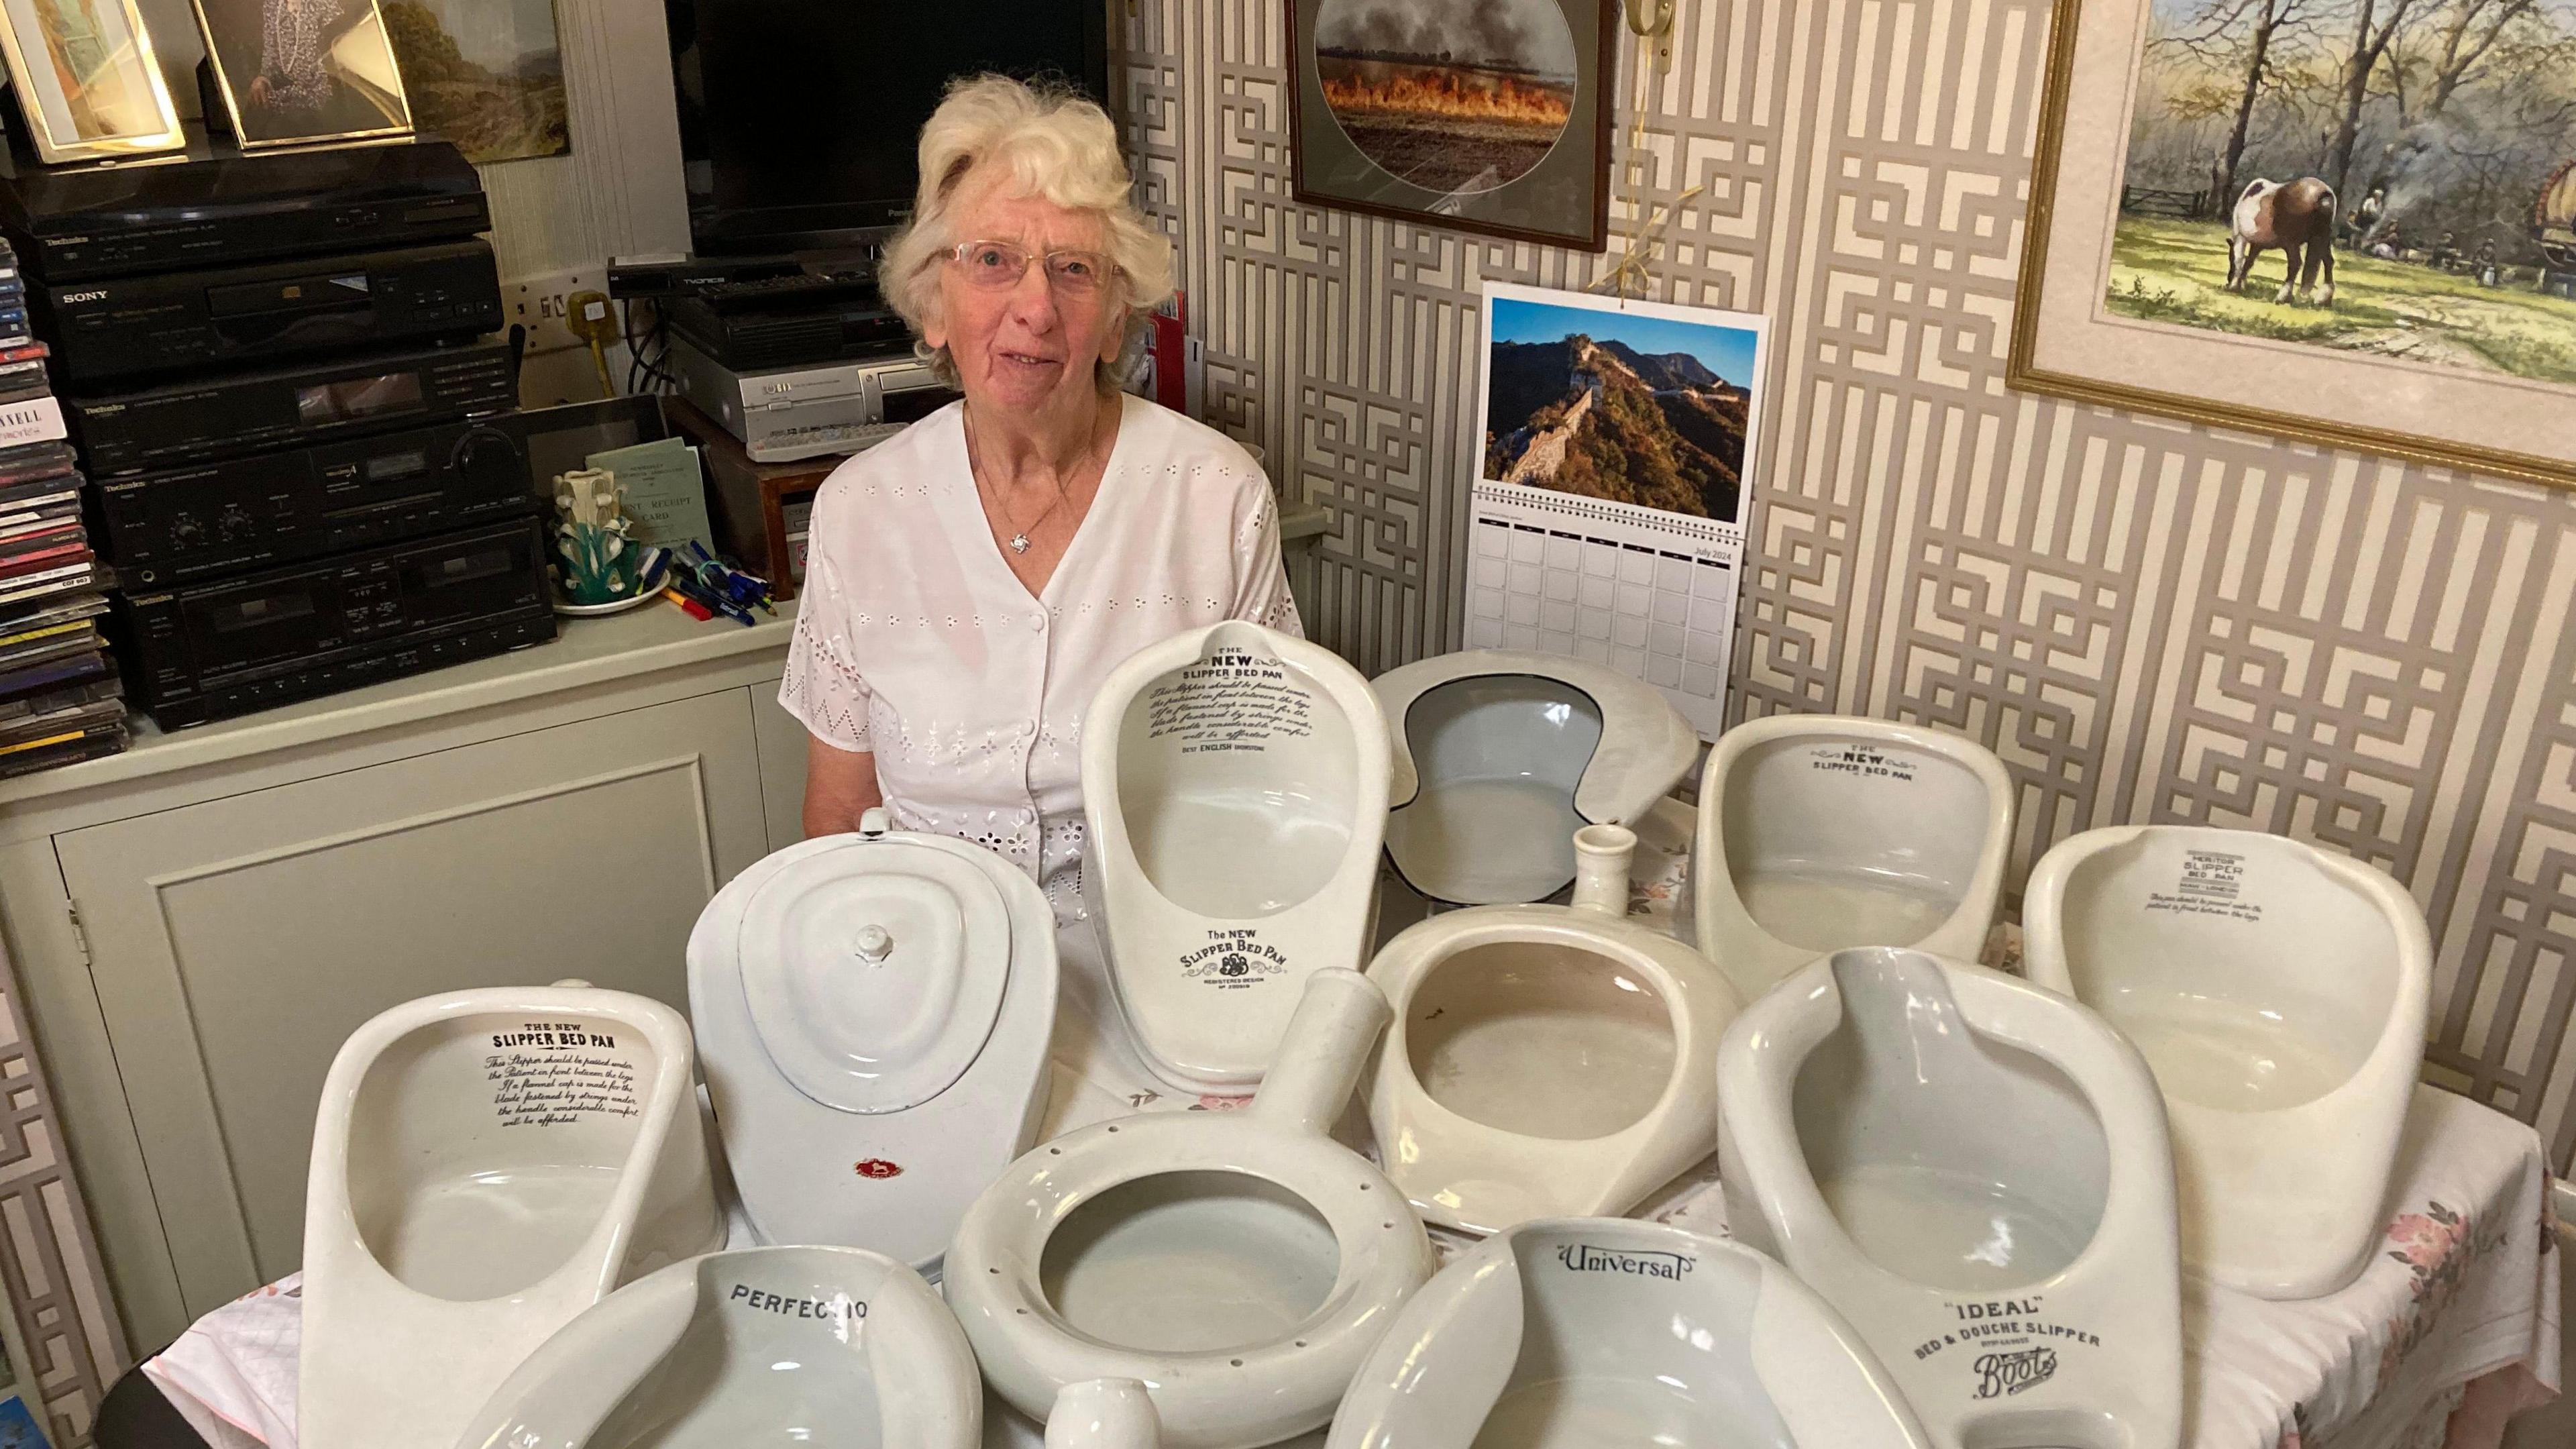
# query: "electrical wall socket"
x,y
539,304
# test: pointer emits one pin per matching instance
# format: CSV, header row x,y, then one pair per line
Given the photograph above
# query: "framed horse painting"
x,y
2352,224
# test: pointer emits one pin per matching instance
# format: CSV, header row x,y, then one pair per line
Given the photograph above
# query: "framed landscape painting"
x,y
1490,116
2347,221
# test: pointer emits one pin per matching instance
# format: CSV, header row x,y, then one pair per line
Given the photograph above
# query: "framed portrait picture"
x,y
304,72
86,79
1490,116
2354,227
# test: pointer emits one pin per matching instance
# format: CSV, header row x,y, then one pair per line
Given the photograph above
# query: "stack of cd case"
x,y
60,699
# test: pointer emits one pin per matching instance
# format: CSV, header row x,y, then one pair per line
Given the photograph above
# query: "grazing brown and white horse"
x,y
2296,216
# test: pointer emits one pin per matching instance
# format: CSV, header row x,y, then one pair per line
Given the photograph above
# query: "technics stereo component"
x,y
211,651
217,518
165,528
70,224
198,422
807,412
102,331
831,331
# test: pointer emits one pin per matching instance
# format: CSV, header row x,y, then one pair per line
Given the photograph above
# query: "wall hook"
x,y
1653,20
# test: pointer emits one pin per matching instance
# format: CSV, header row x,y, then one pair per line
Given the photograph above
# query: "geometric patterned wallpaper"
x,y
2148,621
63,1337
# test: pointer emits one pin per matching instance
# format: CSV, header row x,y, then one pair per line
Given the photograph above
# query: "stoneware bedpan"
x,y
1235,784
757,1347
1240,1264
1818,832
1500,756
1546,1061
486,1165
873,1012
1583,1333
2279,993
1974,1171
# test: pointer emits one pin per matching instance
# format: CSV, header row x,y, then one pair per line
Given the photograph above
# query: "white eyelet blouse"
x,y
915,641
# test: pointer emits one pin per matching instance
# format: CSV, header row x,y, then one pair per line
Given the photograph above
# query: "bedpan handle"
x,y
1103,1414
1322,1051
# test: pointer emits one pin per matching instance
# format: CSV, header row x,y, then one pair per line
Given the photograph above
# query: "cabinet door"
x,y
782,765
235,944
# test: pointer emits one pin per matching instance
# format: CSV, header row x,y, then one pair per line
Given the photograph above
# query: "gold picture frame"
x,y
297,74
2089,321
99,94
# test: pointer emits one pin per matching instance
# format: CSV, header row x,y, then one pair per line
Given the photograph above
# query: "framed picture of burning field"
x,y
2355,227
1490,116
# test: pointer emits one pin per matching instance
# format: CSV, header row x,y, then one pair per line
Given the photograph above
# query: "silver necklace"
x,y
1019,540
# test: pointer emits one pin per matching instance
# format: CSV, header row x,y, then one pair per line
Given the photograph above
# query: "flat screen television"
x,y
798,118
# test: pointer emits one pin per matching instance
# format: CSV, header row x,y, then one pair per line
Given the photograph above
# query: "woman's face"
x,y
1028,347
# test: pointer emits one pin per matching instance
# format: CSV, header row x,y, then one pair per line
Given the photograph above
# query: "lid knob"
x,y
874,944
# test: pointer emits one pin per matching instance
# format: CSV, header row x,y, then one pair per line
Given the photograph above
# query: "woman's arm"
x,y
840,786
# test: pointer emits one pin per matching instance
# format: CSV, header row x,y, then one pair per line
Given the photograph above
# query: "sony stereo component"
x,y
218,518
120,328
212,651
72,224
201,421
789,414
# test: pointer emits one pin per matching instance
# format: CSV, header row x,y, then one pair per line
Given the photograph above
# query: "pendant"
x,y
1019,543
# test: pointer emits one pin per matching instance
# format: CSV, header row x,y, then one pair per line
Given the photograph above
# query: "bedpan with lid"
x,y
873,1012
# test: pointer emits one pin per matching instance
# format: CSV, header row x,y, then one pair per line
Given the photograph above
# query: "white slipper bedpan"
x,y
1501,756
2280,994
873,1012
1546,1061
1585,1333
486,1165
1974,1171
1235,784
762,1346
1818,832
1240,1264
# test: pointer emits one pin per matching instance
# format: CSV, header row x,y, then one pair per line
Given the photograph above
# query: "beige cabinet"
x,y
199,924
237,942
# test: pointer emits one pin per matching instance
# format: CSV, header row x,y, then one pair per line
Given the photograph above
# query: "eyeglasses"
x,y
998,265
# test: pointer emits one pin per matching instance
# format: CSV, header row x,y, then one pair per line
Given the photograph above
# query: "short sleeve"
x,y
823,687
1260,579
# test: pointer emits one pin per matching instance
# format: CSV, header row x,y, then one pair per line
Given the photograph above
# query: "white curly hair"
x,y
1053,143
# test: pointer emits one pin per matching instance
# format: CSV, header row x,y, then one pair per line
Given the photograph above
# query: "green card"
x,y
666,494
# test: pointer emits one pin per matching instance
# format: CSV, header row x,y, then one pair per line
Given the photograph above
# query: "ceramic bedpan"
x,y
1581,1333
1234,780
1974,1171
1241,1264
763,1346
2280,993
486,1165
1818,832
1501,756
1546,1061
873,1012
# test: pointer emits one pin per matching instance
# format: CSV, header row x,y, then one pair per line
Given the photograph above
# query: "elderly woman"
x,y
974,579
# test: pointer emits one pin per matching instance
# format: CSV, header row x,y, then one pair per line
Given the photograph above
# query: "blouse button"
x,y
1038,622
